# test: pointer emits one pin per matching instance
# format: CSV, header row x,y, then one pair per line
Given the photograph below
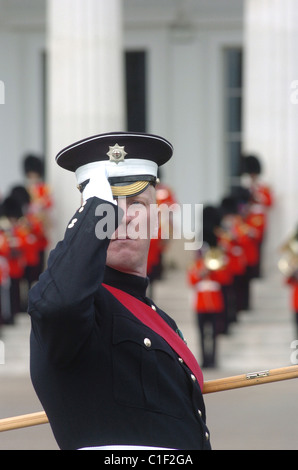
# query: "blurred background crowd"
x,y
202,74
24,225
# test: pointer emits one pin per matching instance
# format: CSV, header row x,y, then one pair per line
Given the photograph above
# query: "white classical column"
x,y
271,105
85,86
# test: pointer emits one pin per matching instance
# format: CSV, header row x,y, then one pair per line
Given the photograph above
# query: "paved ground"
x,y
262,417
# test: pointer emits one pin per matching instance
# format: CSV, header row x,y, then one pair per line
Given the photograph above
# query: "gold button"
x,y
147,342
200,413
193,378
180,360
207,436
153,307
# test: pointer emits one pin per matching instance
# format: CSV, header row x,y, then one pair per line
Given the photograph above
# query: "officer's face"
x,y
128,249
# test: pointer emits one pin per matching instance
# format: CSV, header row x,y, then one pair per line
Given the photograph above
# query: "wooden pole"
x,y
23,421
211,386
253,378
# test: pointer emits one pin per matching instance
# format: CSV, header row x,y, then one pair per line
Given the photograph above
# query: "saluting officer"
x,y
107,373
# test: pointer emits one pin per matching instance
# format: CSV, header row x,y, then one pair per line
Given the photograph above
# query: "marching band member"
x,y
209,302
5,310
261,200
238,265
23,233
261,193
12,213
159,244
41,200
38,189
234,228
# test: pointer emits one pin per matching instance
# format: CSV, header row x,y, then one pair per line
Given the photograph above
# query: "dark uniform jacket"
x,y
97,379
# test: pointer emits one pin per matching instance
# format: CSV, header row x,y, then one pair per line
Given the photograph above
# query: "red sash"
x,y
152,319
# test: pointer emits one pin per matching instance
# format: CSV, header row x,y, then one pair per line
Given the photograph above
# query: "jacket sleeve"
x,y
61,304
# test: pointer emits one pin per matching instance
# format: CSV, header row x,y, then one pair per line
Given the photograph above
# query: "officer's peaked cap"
x,y
132,159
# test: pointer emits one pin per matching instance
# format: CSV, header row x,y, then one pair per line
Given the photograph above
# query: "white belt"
x,y
208,285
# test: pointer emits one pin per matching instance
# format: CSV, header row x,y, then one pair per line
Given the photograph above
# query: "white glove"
x,y
98,185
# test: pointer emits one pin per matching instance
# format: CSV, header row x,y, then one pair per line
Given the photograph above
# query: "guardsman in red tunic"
x,y
12,212
209,301
238,265
39,191
5,310
41,201
247,239
159,244
31,229
261,200
212,219
261,193
235,229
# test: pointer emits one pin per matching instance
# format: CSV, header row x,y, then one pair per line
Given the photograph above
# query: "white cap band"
x,y
129,167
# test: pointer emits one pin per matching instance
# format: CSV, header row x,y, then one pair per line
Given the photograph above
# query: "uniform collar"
x,y
134,285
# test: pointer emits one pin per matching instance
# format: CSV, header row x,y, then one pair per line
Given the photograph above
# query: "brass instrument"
x,y
214,259
288,263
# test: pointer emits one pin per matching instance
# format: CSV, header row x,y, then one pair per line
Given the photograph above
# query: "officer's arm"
x,y
61,304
